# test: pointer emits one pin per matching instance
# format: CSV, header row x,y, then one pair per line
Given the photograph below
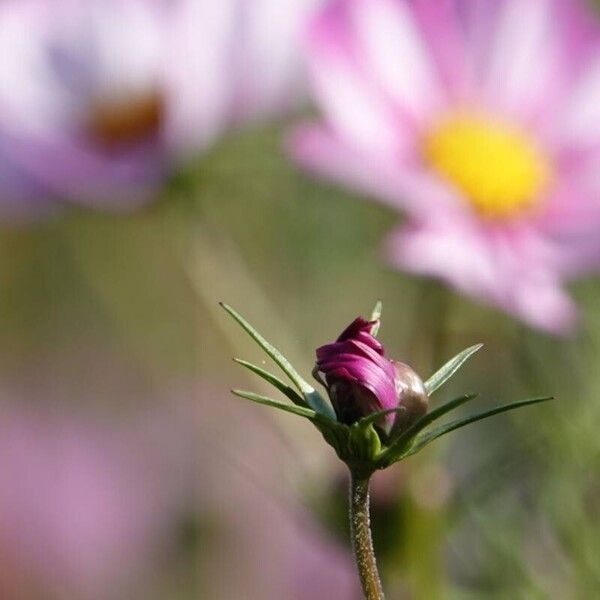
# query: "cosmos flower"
x,y
360,380
101,99
83,98
480,120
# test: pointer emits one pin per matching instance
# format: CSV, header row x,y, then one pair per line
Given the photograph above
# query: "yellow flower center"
x,y
499,169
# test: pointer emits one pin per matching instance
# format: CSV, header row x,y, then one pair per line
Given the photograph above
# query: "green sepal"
x,y
449,369
364,442
376,316
312,397
283,387
426,438
335,434
374,417
397,448
440,411
357,443
300,411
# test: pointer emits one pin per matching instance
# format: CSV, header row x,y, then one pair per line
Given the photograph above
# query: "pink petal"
x,y
74,172
527,70
396,52
581,125
323,153
351,103
573,207
22,198
570,223
503,267
456,256
199,75
394,180
545,305
271,73
444,33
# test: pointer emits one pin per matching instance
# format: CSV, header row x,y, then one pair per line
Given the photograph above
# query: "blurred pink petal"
x,y
532,292
388,31
581,124
321,570
84,506
325,153
515,75
201,83
373,173
271,67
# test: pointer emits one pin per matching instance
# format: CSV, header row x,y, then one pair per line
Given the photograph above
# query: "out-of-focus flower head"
x,y
82,98
99,99
478,119
360,380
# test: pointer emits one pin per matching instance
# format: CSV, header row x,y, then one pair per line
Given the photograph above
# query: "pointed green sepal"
x,y
364,442
312,397
376,316
398,447
300,411
374,417
335,434
449,369
426,438
283,387
440,411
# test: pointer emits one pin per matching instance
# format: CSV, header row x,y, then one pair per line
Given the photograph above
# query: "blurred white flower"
x,y
99,99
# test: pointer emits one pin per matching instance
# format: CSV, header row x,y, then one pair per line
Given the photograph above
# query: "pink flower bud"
x,y
360,380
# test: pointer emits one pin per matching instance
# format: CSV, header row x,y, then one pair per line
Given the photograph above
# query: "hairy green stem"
x,y
362,542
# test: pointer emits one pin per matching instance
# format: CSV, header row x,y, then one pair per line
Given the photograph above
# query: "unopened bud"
x,y
360,380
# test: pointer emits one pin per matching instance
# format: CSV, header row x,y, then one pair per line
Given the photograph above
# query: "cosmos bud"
x,y
360,380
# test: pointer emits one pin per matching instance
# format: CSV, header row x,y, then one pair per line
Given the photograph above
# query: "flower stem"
x,y
362,542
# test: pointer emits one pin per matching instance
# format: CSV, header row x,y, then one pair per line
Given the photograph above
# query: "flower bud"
x,y
360,380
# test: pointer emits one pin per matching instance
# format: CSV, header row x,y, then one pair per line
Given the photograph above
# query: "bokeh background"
x,y
128,471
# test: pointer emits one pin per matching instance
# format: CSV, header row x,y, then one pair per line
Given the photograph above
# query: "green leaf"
x,y
312,397
449,369
376,316
428,437
399,445
258,398
283,387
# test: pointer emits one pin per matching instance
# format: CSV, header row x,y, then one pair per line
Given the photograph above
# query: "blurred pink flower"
x,y
84,506
99,99
481,120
